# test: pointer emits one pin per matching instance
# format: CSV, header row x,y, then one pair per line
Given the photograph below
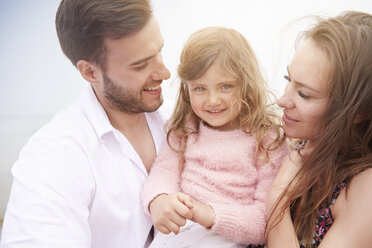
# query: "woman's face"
x,y
306,95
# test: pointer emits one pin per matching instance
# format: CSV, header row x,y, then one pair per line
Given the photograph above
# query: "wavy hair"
x,y
343,147
229,48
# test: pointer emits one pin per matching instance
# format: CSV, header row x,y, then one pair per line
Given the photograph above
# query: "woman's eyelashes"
x,y
286,77
299,92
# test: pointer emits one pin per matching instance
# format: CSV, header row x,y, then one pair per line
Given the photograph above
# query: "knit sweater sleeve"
x,y
164,176
246,223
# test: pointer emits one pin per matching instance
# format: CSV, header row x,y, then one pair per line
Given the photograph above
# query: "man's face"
x,y
134,72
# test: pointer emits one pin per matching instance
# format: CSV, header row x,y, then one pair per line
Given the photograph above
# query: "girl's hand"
x,y
169,212
202,214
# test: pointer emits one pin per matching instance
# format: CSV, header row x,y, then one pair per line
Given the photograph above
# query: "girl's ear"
x,y
89,72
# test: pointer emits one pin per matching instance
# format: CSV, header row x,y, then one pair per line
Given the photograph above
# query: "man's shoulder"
x,y
58,147
70,123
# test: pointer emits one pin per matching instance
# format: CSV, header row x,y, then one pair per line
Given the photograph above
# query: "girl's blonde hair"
x,y
232,51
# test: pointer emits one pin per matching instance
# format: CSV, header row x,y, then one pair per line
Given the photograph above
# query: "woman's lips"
x,y
287,119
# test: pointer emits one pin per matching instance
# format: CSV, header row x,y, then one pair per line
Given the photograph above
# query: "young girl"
x,y
224,148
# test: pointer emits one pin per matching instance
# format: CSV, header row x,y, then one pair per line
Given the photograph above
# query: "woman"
x,y
322,195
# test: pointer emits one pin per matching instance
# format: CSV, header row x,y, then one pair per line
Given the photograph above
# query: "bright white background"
x,y
36,80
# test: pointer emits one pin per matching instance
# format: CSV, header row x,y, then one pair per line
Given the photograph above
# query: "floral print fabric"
x,y
325,219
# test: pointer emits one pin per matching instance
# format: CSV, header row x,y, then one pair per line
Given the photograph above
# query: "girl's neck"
x,y
227,127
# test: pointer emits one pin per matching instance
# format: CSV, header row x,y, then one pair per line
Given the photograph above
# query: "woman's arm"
x,y
283,233
352,214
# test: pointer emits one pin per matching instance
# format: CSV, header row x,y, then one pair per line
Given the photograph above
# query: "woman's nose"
x,y
285,101
281,101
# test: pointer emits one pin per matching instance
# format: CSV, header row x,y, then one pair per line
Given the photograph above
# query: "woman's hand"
x,y
288,170
169,212
291,165
283,233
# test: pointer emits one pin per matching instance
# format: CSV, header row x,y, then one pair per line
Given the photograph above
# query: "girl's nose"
x,y
214,99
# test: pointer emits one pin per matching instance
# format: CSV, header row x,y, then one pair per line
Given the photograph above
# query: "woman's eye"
x,y
286,77
301,94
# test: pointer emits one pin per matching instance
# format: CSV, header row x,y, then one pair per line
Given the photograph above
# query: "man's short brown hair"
x,y
82,25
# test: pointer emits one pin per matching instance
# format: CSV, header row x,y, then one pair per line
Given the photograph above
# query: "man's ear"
x,y
89,71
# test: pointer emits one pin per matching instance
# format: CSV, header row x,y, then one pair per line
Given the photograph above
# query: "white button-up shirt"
x,y
77,183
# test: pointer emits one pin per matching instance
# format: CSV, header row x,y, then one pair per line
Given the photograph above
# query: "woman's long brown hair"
x,y
343,147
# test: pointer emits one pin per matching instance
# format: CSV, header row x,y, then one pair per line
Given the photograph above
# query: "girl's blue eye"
x,y
199,89
226,86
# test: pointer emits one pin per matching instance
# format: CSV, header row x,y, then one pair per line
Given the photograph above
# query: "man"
x,y
77,182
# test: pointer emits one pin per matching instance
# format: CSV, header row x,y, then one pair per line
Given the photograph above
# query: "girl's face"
x,y
306,95
214,98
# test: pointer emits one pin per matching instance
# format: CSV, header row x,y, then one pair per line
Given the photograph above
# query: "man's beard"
x,y
126,100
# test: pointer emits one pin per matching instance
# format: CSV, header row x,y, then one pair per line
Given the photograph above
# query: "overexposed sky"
x,y
36,78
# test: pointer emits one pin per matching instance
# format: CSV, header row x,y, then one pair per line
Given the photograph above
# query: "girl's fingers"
x,y
178,219
184,209
163,229
173,227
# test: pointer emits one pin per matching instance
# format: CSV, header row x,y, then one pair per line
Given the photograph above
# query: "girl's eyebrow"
x,y
195,83
300,83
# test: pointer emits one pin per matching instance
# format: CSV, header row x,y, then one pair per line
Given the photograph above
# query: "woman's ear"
x,y
89,71
359,118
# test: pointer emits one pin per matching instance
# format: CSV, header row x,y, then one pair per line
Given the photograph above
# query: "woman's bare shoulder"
x,y
352,214
357,194
361,185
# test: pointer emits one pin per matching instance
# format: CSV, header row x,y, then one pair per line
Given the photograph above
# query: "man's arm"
x,y
52,189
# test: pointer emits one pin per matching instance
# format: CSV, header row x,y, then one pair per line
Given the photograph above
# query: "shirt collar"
x,y
95,113
100,122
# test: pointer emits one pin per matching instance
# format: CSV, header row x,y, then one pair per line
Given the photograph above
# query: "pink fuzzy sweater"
x,y
220,170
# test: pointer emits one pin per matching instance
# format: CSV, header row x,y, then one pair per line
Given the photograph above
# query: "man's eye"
x,y
141,67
